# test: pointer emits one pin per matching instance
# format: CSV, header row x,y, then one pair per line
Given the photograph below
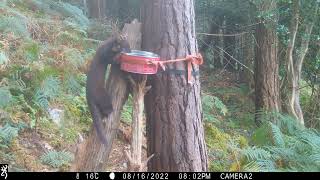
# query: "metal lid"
x,y
143,54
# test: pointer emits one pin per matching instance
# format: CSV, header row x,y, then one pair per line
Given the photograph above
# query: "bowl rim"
x,y
142,54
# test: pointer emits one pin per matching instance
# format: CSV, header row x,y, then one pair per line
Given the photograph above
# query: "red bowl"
x,y
135,62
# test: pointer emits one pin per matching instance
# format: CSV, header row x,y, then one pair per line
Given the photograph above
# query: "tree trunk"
x,y
173,107
267,97
248,55
97,8
124,14
221,43
295,62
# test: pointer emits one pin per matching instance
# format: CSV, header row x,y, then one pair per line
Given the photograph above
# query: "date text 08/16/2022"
x,y
189,175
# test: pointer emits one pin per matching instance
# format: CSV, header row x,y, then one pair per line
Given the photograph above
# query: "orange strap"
x,y
191,59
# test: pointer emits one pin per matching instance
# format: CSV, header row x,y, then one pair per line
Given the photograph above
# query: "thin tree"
x,y
296,54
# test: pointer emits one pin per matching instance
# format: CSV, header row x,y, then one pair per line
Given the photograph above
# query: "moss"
x,y
216,138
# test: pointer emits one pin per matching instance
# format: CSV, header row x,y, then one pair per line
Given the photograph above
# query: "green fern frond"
x,y
7,134
15,24
41,99
74,57
310,137
50,87
57,159
255,153
3,58
5,97
211,103
16,82
66,9
277,135
251,167
31,51
72,85
266,165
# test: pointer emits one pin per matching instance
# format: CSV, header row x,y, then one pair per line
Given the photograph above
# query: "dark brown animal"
x,y
99,102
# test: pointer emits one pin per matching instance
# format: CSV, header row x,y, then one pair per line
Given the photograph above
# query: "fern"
x,y
56,159
41,100
31,51
72,85
15,24
74,57
5,97
66,9
3,58
294,148
266,165
211,105
7,134
254,154
251,167
277,135
51,87
16,82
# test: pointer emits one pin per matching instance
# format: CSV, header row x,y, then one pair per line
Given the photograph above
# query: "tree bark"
x,y
249,55
267,96
173,107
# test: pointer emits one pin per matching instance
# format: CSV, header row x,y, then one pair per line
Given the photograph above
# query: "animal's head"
x,y
121,45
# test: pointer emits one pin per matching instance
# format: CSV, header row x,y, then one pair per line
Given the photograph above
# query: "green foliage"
x,y
70,12
14,24
41,100
262,136
48,90
3,58
212,107
5,96
72,84
292,148
74,57
7,134
51,87
67,38
57,159
126,114
31,51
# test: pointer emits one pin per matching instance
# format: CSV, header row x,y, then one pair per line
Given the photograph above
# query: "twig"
x,y
236,60
225,35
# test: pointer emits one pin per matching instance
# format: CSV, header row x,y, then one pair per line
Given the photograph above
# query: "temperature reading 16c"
x,y
92,176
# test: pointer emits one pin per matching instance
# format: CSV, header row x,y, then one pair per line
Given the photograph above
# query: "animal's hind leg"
x,y
97,122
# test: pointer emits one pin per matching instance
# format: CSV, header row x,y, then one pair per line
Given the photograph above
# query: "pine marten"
x,y
99,102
